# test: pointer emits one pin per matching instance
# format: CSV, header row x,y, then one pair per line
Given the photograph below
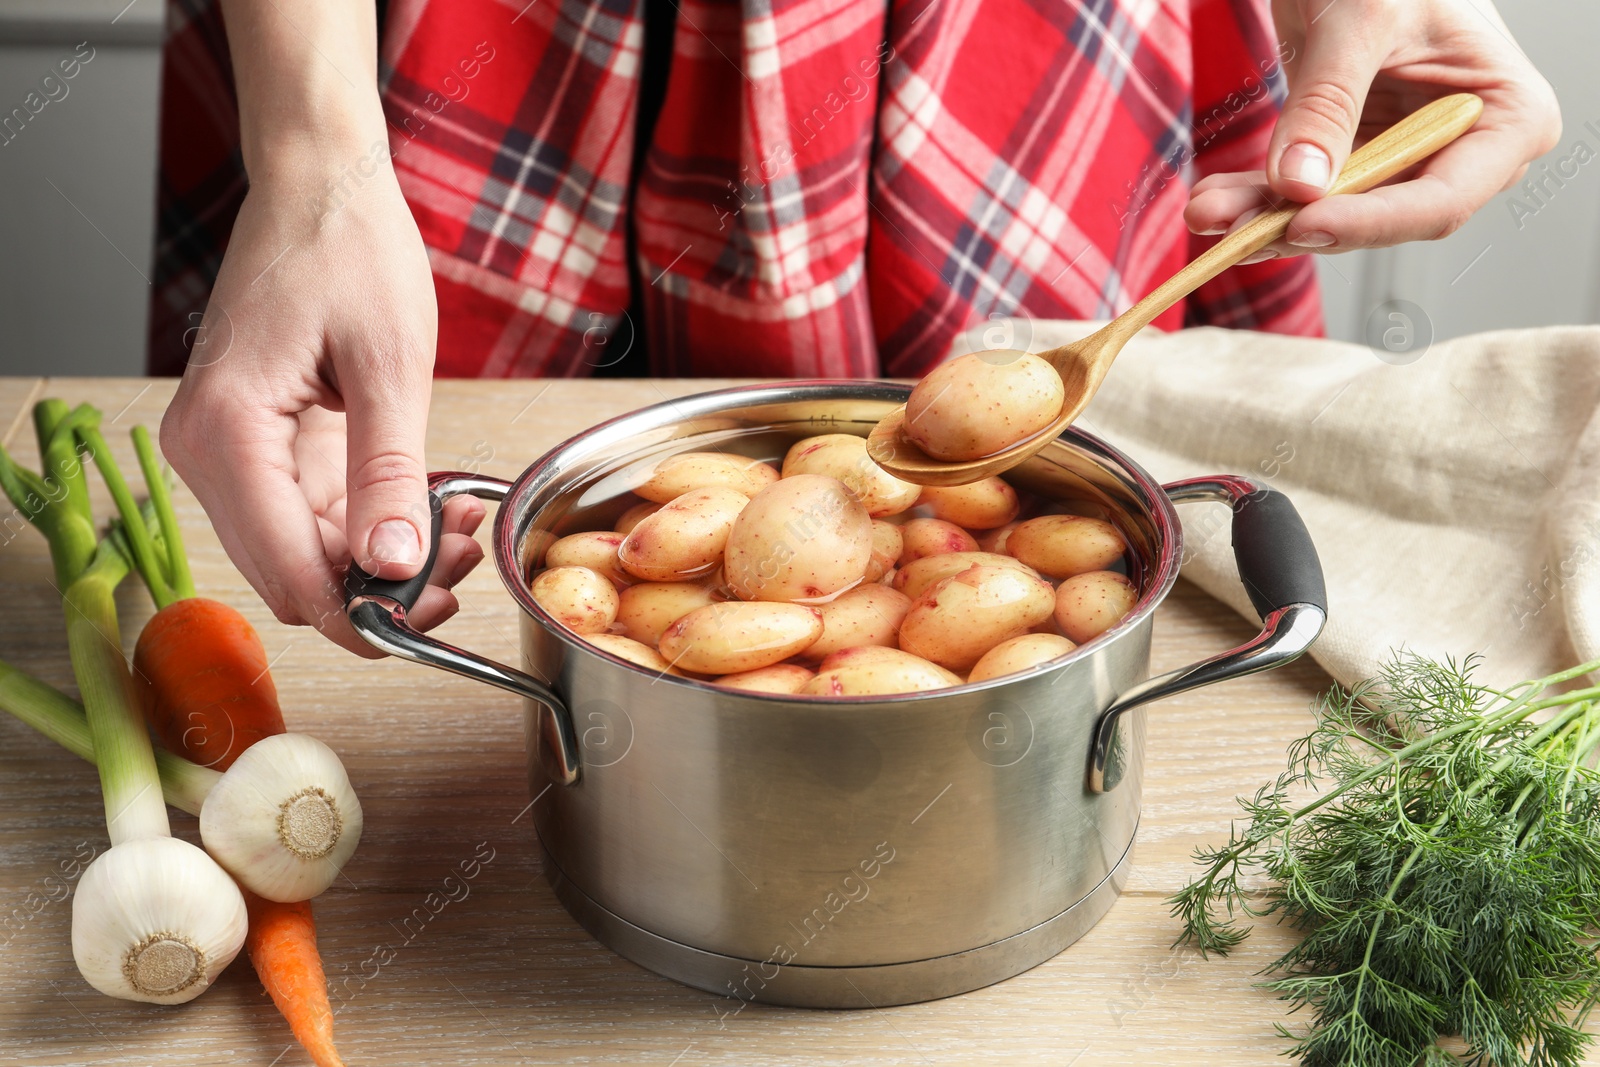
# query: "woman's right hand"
x,y
300,421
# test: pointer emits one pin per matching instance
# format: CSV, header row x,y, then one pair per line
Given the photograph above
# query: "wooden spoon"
x,y
1083,364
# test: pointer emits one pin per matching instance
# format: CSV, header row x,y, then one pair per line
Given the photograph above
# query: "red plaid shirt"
x,y
833,188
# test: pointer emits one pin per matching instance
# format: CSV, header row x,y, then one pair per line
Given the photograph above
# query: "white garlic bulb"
x,y
155,920
283,820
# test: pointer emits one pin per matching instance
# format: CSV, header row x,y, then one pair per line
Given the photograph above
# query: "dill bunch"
x,y
1445,877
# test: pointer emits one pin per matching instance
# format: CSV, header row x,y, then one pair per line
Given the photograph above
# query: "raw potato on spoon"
x,y
982,403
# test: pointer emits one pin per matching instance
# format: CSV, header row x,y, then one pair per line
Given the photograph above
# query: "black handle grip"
x,y
358,582
1277,561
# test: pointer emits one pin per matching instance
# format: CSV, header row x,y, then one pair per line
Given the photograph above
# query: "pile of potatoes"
x,y
832,578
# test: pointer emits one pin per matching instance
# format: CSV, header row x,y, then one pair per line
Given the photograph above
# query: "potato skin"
x,y
647,609
887,545
801,539
582,600
958,620
687,471
685,539
1059,546
995,540
976,405
917,578
982,505
876,671
933,537
634,515
844,456
634,652
1087,605
866,615
595,549
1019,654
781,678
736,636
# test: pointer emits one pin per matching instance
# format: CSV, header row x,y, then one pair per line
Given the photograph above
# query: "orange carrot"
x,y
208,694
203,674
283,948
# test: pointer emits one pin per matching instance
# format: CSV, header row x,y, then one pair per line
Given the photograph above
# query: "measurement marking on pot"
x,y
702,833
931,803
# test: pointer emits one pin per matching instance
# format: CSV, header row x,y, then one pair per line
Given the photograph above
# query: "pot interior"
x,y
586,483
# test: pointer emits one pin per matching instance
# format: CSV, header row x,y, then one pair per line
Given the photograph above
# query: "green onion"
x,y
61,719
154,918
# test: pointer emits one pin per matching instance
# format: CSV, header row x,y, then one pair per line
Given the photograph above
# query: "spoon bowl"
x,y
1083,364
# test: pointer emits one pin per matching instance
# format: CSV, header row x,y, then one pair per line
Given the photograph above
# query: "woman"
x,y
831,187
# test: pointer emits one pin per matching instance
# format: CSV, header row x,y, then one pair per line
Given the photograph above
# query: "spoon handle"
x,y
1409,141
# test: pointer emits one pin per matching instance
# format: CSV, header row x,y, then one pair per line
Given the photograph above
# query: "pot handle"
x,y
377,609
1283,577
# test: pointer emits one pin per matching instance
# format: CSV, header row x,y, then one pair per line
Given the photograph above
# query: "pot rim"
x,y
1163,571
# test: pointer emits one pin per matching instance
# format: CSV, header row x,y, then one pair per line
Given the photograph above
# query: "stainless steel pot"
x,y
849,852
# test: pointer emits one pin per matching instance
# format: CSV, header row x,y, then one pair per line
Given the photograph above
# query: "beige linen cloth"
x,y
1454,500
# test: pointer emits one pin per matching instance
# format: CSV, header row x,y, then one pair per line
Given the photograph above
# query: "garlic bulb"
x,y
155,920
283,820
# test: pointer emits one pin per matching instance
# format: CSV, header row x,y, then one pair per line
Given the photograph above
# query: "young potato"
x,y
733,637
844,456
646,609
1019,654
982,403
933,537
977,506
595,549
954,623
534,549
866,615
876,671
917,578
582,600
781,678
687,471
802,538
685,539
1059,546
634,515
886,548
1087,605
634,652
995,540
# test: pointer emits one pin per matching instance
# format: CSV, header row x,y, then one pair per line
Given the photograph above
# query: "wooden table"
x,y
505,976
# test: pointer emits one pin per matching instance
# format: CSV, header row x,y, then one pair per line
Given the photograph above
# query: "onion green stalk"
x,y
255,797
57,716
154,918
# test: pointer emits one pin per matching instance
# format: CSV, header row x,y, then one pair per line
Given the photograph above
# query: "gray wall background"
x,y
78,193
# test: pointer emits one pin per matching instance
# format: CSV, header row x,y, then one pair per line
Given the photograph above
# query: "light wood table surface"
x,y
505,976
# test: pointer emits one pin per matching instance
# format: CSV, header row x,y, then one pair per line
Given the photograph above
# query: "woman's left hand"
x,y
1356,67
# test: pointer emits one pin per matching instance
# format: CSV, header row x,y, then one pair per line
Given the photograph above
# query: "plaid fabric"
x,y
833,188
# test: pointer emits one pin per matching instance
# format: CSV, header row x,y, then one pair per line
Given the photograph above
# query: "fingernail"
x,y
1306,164
1312,239
1259,257
395,541
1212,232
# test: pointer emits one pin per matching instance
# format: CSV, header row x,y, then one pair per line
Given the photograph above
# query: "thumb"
x,y
1327,91
386,515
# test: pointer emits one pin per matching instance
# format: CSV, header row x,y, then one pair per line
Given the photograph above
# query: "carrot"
x,y
282,944
203,675
209,696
